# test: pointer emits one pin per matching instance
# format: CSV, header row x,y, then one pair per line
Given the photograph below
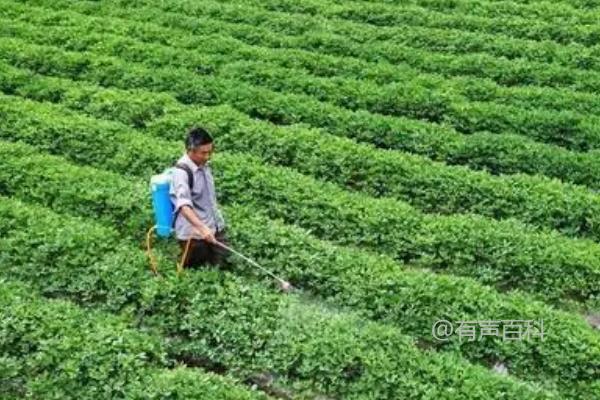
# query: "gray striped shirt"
x,y
201,198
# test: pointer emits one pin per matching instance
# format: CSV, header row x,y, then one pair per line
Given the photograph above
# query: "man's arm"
x,y
203,230
182,197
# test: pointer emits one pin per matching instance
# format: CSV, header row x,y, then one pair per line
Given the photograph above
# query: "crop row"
x,y
244,22
218,319
530,9
410,98
434,39
283,109
585,33
248,28
506,254
429,186
504,154
427,38
538,158
53,349
372,285
217,49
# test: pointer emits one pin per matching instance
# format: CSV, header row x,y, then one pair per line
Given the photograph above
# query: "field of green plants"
x,y
399,162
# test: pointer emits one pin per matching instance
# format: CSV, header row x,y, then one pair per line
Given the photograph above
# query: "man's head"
x,y
199,145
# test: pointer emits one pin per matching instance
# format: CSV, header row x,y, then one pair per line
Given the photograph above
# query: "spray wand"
x,y
284,285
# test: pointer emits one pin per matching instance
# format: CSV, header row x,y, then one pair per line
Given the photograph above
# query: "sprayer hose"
x,y
152,257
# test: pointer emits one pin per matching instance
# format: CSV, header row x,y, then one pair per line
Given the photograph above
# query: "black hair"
x,y
197,136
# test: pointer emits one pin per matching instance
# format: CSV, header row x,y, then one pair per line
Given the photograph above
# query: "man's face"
x,y
201,154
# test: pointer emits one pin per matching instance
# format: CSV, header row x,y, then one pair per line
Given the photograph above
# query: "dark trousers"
x,y
201,252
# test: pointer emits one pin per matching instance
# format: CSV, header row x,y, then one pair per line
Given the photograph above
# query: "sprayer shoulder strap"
x,y
190,175
189,172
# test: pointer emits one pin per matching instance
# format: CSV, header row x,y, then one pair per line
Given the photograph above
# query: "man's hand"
x,y
207,235
202,230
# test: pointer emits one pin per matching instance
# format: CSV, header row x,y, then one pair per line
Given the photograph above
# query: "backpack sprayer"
x,y
164,220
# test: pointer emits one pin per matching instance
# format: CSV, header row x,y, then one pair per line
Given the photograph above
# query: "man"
x,y
196,212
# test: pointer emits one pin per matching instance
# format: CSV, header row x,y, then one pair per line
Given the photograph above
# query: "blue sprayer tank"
x,y
161,202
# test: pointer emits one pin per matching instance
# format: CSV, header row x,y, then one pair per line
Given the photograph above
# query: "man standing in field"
x,y
197,217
